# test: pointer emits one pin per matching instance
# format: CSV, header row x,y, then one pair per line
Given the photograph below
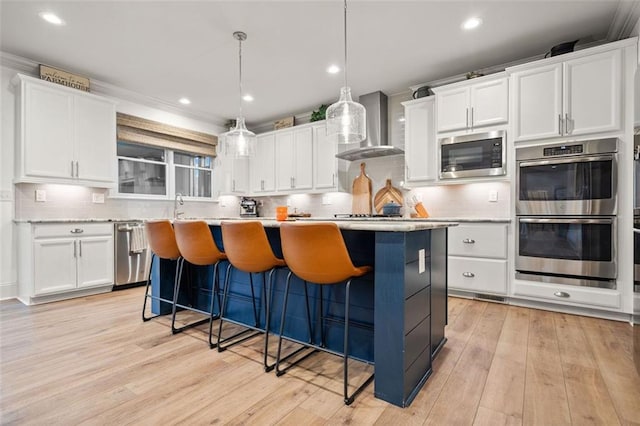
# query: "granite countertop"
x,y
378,224
270,221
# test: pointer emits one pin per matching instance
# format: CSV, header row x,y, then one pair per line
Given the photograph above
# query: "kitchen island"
x,y
399,311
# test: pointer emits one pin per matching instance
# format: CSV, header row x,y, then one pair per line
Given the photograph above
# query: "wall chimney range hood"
x,y
376,144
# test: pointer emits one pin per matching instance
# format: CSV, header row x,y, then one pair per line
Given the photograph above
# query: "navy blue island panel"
x,y
398,312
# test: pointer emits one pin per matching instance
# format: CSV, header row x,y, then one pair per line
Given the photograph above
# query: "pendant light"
x,y
240,141
346,119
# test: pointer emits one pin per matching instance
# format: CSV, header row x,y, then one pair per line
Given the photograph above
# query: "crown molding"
x,y
30,67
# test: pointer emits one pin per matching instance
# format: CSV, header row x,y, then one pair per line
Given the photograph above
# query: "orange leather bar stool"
x,y
162,242
316,253
198,248
248,250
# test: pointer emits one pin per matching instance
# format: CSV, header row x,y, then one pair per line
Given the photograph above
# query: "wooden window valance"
x,y
153,133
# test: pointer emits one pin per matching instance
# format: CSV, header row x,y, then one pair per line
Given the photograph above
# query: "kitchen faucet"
x,y
178,200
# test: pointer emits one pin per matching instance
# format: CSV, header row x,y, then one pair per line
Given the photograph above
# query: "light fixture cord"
x,y
240,74
345,43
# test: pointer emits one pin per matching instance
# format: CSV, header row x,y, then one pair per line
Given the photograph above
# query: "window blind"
x,y
153,133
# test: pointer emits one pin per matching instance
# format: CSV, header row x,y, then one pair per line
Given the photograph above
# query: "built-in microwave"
x,y
475,155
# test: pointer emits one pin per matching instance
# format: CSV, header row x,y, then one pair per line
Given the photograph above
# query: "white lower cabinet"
x,y
568,295
59,261
477,259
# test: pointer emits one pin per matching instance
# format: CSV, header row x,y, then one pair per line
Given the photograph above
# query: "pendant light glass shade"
x,y
346,120
240,142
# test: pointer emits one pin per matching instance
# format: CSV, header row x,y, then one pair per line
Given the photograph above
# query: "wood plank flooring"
x,y
93,361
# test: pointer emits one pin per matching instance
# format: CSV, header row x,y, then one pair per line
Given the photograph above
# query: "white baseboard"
x,y
8,290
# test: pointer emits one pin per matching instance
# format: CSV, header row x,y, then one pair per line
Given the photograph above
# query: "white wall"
x,y
7,243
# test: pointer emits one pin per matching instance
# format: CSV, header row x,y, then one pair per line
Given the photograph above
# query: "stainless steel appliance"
x,y
248,207
566,213
477,155
577,178
567,250
132,256
636,251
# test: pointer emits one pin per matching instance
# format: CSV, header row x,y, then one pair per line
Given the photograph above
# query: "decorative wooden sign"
x,y
284,123
64,78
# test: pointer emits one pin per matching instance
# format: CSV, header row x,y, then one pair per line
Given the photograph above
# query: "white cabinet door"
x,y
48,133
593,93
324,160
453,109
537,102
240,173
54,264
303,159
284,161
262,168
221,172
420,140
489,103
95,139
95,261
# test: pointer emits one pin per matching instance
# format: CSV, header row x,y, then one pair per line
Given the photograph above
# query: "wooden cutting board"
x,y
386,195
361,191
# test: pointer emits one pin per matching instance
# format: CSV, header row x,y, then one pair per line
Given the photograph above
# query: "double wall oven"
x,y
566,210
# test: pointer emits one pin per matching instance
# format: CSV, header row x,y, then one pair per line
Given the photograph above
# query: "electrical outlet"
x,y
422,265
493,196
41,195
97,197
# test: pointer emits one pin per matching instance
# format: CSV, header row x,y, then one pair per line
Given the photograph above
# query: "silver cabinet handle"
x,y
467,117
562,294
80,247
408,172
233,185
77,169
469,241
560,124
77,231
293,179
72,168
471,117
333,179
75,249
566,123
468,274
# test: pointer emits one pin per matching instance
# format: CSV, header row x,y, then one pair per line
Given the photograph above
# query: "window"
x,y
193,174
141,169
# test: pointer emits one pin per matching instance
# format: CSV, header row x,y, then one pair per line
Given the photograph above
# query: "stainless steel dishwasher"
x,y
132,255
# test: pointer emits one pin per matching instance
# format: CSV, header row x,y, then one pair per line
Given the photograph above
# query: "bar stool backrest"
x,y
316,252
247,246
162,239
196,244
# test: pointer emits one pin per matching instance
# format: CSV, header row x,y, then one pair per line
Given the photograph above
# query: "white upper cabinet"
x,y
294,159
472,104
575,97
420,140
64,135
230,175
262,166
325,163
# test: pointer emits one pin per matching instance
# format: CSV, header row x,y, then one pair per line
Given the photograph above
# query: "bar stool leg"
x,y
253,301
280,372
146,292
268,292
176,289
215,294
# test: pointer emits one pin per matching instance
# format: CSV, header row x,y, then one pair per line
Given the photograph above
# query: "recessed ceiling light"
x,y
51,18
471,23
184,101
333,69
247,98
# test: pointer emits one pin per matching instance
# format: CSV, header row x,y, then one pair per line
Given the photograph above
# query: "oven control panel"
x,y
563,150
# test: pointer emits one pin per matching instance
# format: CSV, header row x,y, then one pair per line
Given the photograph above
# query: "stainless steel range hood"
x,y
376,144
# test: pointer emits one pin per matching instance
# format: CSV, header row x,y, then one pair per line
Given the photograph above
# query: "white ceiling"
x,y
170,49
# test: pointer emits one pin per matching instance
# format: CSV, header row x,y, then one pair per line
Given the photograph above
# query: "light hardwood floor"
x,y
93,361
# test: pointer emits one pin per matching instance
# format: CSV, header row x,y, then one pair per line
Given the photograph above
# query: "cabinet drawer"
x,y
65,230
479,240
568,294
481,275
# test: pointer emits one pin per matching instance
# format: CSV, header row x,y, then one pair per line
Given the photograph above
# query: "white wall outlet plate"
x,y
493,196
41,195
97,197
421,261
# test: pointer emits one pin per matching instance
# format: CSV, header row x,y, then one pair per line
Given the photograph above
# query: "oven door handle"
x,y
568,220
566,160
636,231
